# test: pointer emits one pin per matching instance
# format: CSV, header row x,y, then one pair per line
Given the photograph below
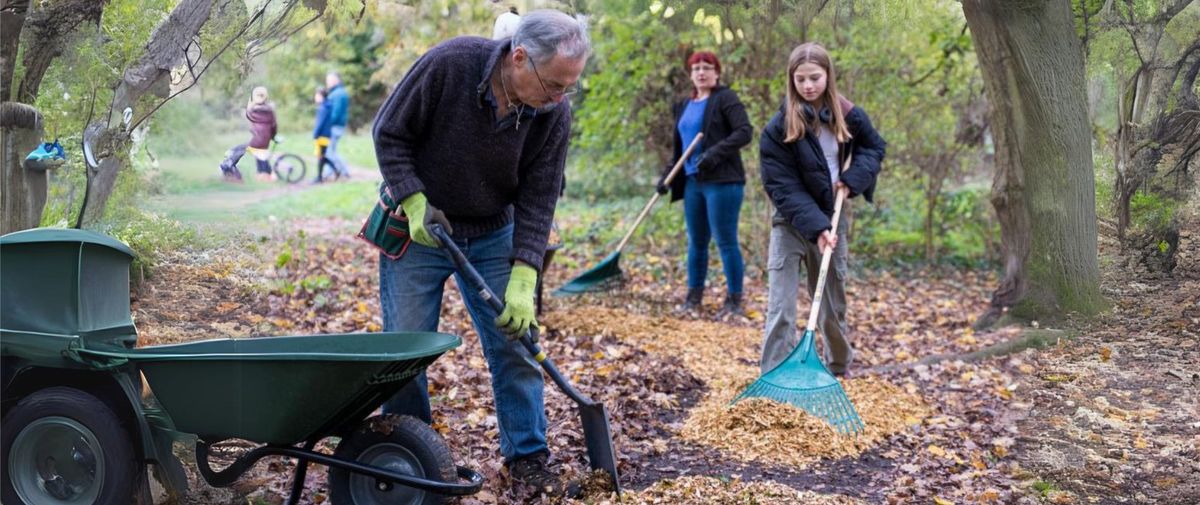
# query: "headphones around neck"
x,y
811,115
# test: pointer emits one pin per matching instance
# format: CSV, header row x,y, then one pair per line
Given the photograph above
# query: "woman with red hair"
x,y
713,179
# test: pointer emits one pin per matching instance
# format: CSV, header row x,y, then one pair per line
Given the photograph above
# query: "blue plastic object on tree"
x,y
47,156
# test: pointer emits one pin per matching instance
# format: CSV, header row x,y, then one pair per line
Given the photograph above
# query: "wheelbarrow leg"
x,y
301,472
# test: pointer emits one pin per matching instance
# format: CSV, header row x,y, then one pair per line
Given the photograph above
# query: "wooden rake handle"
x,y
827,255
654,199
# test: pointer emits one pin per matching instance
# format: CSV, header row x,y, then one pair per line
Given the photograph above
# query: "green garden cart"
x,y
80,426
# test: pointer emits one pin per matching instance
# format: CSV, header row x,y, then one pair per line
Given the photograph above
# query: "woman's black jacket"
x,y
796,177
726,130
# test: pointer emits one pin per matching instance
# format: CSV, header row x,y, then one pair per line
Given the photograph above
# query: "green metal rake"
x,y
802,379
609,269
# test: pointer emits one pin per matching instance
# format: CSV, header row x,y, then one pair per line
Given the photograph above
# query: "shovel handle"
x,y
475,280
654,199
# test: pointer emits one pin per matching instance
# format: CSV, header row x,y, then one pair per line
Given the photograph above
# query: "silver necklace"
x,y
508,100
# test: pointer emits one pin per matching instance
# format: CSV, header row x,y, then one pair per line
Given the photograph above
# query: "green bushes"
x,y
965,230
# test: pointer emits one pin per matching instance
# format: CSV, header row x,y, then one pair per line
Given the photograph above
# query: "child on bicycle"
x,y
261,114
322,131
263,127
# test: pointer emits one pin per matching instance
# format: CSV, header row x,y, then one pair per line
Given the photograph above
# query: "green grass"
x,y
348,200
188,186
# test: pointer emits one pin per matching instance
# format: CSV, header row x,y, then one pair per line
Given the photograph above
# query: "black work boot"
x,y
733,305
533,471
693,302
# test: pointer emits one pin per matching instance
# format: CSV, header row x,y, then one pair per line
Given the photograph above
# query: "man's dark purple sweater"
x,y
438,134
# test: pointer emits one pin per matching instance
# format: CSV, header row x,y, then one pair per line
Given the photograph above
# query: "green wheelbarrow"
x,y
78,427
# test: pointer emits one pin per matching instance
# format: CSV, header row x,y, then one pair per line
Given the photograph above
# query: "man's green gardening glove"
x,y
420,216
518,301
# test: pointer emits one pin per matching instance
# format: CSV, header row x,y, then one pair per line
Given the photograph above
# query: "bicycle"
x,y
288,167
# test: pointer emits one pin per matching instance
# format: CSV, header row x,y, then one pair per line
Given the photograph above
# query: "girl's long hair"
x,y
797,124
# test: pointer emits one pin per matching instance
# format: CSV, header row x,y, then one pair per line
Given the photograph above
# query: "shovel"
x,y
593,415
610,267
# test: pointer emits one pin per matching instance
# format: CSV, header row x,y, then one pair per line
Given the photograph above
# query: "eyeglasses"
x,y
557,91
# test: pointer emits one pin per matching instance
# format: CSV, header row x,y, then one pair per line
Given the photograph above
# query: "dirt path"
x,y
1114,414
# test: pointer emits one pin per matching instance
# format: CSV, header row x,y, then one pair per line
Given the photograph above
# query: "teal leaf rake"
x,y
802,379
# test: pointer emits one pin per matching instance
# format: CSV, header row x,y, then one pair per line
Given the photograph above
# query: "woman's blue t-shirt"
x,y
690,124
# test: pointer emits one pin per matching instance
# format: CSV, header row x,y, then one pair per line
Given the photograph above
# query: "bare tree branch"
x,y
1168,12
245,28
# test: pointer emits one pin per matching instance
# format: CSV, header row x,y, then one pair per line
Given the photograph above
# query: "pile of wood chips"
x,y
726,358
696,490
765,430
711,351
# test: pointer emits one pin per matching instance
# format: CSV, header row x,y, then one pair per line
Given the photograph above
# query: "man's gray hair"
x,y
544,33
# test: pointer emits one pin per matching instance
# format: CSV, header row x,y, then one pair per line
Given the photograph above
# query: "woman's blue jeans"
x,y
712,210
410,294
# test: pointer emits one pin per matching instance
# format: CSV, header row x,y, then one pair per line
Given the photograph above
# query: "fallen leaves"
x,y
762,429
656,372
700,490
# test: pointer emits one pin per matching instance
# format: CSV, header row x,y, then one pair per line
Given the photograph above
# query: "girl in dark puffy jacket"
x,y
803,149
713,179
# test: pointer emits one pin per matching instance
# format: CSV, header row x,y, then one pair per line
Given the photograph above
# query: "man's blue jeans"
x,y
331,152
410,293
712,209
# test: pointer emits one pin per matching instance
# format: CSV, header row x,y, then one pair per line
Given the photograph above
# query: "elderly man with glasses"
x,y
475,138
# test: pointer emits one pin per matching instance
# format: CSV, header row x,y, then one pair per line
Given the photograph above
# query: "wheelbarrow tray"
x,y
281,390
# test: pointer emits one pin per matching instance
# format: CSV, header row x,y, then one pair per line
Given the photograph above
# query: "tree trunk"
x,y
1146,100
151,73
12,19
1044,186
49,31
23,192
931,201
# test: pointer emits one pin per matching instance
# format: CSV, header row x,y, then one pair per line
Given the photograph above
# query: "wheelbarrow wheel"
x,y
402,444
62,445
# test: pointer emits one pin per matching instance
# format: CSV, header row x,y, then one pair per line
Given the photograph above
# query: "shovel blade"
x,y
598,436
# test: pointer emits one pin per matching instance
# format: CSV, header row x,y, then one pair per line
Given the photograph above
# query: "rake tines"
x,y
829,403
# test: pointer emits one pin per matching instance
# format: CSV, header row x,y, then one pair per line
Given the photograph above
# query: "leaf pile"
x,y
699,490
710,350
766,430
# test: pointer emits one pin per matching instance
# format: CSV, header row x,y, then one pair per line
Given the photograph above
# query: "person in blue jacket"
x,y
803,149
339,111
321,131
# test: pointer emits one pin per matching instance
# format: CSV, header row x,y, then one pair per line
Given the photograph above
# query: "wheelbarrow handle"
x,y
476,281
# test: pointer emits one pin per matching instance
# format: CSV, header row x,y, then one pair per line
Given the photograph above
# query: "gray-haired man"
x,y
475,137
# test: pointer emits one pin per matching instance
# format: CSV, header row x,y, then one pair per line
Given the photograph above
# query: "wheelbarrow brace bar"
x,y
226,477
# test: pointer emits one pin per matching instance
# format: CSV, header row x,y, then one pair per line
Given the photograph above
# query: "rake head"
x,y
803,381
596,278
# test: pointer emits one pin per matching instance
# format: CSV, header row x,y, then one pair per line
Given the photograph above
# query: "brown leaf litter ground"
x,y
1072,424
